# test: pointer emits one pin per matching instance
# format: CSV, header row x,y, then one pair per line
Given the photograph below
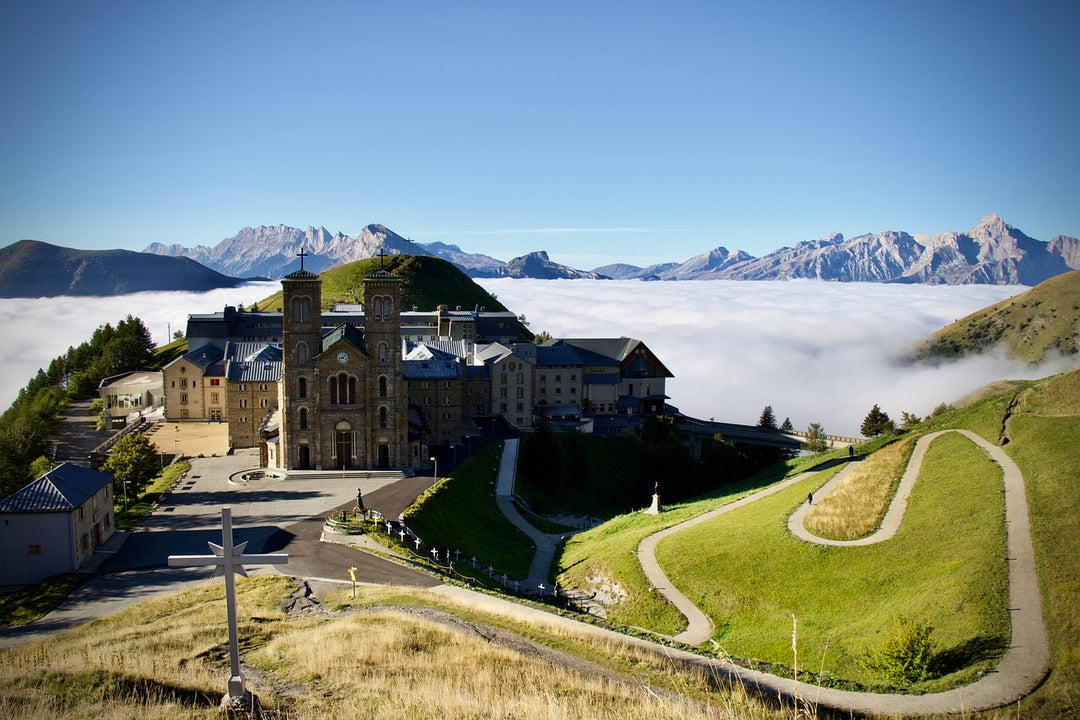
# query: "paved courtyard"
x,y
272,515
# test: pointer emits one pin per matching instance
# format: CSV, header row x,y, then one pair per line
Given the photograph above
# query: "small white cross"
x,y
227,560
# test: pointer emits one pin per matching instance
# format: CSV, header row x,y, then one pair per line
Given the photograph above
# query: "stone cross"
x,y
227,560
302,254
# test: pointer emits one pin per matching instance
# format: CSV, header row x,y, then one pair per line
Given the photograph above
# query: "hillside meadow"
x,y
946,566
387,653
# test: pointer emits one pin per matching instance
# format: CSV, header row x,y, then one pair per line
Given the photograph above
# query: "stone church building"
x,y
372,386
342,395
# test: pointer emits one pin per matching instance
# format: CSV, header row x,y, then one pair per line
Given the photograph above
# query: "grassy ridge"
x,y
1041,320
428,283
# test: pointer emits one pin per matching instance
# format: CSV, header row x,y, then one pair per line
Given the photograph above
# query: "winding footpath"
x,y
1022,668
546,543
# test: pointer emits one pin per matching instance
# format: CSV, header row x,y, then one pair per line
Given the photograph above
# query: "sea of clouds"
x,y
38,330
815,351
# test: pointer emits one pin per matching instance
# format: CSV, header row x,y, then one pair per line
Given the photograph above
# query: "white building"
x,y
52,525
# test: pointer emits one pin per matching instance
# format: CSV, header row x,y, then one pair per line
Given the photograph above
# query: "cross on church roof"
x,y
302,254
227,560
382,258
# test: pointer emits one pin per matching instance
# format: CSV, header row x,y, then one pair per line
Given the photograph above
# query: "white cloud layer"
x,y
37,330
817,352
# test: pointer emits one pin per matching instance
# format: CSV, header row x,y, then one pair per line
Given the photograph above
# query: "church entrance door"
x,y
384,455
343,444
303,459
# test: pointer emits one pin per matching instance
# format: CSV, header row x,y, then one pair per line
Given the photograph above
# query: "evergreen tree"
x,y
815,438
876,422
767,419
786,426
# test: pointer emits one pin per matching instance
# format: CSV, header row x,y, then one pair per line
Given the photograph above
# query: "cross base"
x,y
237,686
655,508
246,705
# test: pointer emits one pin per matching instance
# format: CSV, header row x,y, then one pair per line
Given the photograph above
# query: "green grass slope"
x,y
945,567
428,283
1042,320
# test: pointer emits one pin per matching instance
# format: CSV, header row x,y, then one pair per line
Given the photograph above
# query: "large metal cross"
x,y
227,560
302,254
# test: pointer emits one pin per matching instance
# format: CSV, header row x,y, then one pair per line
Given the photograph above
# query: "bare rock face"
x,y
1068,248
539,265
992,252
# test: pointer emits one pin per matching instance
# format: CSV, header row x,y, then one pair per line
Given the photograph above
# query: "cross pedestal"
x,y
227,560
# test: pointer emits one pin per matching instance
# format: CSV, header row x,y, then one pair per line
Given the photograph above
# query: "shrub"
x,y
904,657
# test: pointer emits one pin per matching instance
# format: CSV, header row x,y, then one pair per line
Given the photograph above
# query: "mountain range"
x,y
993,252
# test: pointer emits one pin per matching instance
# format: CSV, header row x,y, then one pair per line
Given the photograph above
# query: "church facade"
x,y
343,399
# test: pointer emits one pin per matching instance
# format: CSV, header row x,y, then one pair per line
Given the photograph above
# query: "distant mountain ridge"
x,y
992,252
30,269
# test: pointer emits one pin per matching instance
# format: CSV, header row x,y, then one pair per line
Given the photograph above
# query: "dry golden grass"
x,y
855,507
399,653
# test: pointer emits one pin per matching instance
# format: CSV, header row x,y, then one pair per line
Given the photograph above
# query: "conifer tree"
x,y
876,422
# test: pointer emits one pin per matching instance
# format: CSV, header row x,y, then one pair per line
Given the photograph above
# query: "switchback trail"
x,y
1026,660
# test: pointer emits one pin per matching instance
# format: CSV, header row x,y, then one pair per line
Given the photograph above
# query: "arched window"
x,y
352,390
382,386
384,417
303,418
301,309
333,390
382,353
301,387
301,353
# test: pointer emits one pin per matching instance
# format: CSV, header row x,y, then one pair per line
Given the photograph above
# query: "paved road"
x,y
1022,668
272,515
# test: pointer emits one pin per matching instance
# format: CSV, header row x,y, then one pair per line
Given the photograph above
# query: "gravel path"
x,y
1022,668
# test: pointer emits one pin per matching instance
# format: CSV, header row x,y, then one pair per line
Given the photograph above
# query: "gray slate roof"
x,y
62,489
347,332
252,362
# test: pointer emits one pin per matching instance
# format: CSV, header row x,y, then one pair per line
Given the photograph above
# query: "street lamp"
x,y
453,448
435,474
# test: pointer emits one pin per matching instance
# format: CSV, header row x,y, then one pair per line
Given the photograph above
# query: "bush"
x,y
904,657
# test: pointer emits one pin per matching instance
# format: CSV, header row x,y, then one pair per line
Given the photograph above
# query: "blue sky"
x,y
600,132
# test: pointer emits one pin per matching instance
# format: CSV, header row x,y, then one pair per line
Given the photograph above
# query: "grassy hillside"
x,y
946,566
387,653
428,283
1041,320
